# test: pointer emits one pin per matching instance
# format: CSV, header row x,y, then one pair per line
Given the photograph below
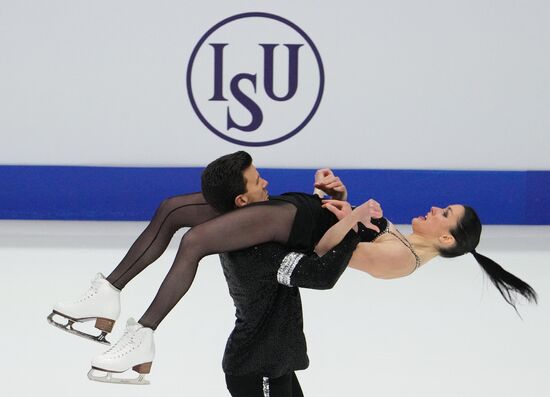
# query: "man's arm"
x,y
313,271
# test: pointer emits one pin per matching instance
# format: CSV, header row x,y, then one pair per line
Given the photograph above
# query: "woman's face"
x,y
438,222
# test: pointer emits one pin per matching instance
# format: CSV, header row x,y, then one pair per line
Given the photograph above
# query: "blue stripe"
x,y
121,193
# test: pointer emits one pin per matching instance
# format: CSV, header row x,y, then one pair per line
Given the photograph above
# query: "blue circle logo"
x,y
255,79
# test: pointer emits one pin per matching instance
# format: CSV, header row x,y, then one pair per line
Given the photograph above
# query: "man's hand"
x,y
327,182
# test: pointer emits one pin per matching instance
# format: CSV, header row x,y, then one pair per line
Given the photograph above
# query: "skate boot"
x,y
100,303
134,350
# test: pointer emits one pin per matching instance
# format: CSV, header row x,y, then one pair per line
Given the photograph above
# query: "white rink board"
x,y
423,84
441,332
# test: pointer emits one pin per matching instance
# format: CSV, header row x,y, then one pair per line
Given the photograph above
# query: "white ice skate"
x,y
135,350
100,303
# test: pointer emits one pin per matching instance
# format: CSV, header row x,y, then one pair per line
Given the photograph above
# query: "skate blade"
x,y
68,327
109,378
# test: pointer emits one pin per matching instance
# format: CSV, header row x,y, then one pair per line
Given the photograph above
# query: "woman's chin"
x,y
417,222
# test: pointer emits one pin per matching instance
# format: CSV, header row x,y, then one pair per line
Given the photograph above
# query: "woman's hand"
x,y
362,213
327,182
339,208
368,210
347,219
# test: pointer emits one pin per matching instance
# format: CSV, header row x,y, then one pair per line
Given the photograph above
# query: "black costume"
x,y
268,344
264,341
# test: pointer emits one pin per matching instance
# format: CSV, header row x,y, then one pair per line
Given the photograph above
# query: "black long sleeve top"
x,y
268,338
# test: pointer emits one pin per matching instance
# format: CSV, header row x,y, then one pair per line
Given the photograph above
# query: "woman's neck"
x,y
425,248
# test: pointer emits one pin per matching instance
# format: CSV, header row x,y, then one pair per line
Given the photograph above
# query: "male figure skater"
x,y
267,344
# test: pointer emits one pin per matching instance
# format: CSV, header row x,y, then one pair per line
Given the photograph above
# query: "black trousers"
x,y
258,386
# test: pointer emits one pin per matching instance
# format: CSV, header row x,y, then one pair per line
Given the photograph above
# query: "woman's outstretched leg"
x,y
255,224
173,214
102,300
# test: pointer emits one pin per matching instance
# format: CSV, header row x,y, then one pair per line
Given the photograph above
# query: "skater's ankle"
x,y
115,283
145,324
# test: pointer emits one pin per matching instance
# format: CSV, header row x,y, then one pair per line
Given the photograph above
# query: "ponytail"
x,y
466,234
507,284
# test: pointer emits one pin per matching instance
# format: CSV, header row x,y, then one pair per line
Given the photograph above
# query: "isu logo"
x,y
255,79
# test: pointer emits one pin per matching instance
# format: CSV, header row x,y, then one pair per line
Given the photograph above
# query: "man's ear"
x,y
241,200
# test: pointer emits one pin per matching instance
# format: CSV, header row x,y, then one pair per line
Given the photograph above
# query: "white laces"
x,y
126,340
93,288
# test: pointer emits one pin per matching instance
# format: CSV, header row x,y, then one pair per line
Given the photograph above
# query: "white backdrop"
x,y
423,84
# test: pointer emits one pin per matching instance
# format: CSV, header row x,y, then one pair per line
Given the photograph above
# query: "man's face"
x,y
255,186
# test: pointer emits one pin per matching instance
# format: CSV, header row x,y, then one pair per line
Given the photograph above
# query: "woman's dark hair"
x,y
466,234
222,180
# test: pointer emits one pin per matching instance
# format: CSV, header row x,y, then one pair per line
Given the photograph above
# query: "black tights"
x,y
173,214
269,221
210,234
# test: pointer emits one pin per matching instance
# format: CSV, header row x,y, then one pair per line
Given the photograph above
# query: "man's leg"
x,y
259,386
245,386
296,388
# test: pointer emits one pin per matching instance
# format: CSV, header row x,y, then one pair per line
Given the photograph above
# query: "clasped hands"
x,y
363,213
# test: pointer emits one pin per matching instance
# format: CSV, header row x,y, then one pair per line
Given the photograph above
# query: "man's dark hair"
x,y
222,180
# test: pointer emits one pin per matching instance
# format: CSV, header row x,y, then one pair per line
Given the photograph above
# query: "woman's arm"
x,y
348,221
